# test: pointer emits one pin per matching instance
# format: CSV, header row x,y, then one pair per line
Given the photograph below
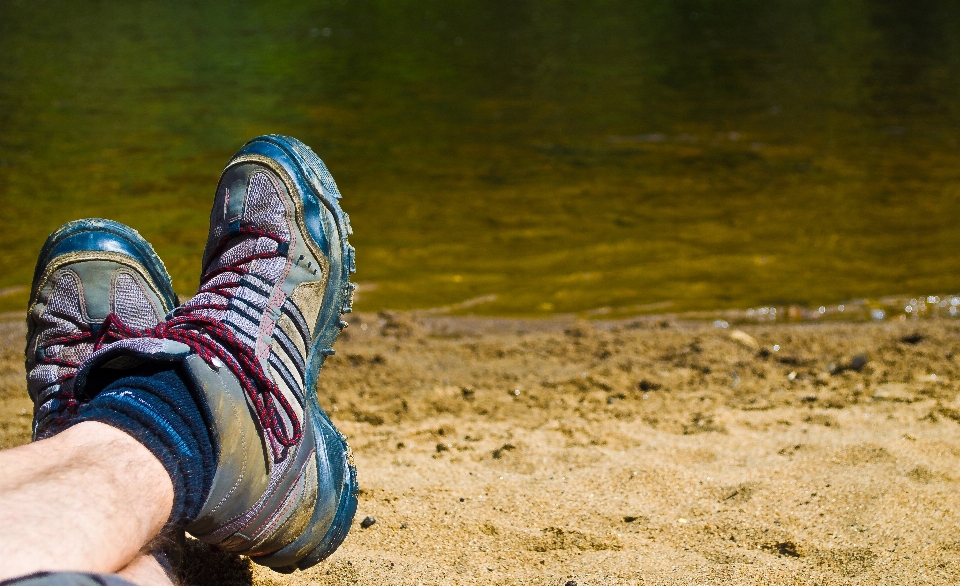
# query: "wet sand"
x,y
644,452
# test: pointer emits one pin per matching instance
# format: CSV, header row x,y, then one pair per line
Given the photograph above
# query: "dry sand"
x,y
652,452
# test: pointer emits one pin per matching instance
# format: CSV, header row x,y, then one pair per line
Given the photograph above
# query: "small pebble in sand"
x,y
858,362
571,583
368,522
646,386
912,339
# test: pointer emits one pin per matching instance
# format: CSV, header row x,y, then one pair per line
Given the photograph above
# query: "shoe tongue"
x,y
250,200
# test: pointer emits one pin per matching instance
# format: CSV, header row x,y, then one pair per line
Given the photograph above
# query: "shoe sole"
x,y
88,235
316,181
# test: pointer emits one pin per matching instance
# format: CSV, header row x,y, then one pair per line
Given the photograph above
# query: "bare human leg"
x,y
145,570
86,500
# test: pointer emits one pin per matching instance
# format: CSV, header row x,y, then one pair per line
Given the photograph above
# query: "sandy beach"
x,y
639,452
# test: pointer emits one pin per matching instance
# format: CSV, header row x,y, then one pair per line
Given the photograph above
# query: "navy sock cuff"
x,y
156,407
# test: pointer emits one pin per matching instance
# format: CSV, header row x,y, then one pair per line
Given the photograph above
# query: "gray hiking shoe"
x,y
273,287
87,270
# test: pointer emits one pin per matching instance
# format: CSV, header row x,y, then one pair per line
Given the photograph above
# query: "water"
x,y
523,157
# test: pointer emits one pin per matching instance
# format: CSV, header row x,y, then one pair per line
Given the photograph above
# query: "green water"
x,y
543,156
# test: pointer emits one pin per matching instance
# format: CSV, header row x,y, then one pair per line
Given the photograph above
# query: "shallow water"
x,y
525,157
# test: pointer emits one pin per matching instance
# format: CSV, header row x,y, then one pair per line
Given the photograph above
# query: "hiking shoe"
x,y
87,270
273,286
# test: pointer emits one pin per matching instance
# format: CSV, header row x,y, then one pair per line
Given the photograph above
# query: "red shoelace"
x,y
68,402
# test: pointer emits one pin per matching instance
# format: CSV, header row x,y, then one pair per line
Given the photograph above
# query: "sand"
x,y
644,452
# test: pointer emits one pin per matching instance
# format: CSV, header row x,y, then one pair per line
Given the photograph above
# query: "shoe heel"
x,y
342,522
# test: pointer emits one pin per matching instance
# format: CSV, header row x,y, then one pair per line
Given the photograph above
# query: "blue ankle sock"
x,y
156,405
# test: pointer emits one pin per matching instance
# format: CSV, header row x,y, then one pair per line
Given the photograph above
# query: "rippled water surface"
x,y
524,157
